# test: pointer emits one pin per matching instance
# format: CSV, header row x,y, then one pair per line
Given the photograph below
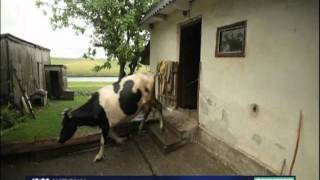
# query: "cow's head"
x,y
69,126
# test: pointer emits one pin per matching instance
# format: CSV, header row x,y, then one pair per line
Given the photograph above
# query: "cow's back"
x,y
123,100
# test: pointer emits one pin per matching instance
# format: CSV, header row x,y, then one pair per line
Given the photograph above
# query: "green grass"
x,y
48,122
83,67
86,86
46,125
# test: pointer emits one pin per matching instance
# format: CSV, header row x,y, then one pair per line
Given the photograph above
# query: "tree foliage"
x,y
112,24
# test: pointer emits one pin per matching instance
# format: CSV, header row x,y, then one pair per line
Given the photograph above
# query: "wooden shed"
x,y
56,82
21,61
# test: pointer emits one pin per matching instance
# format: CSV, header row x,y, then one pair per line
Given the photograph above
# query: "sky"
x,y
23,19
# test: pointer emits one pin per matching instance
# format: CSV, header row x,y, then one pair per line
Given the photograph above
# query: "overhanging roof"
x,y
162,9
20,41
153,11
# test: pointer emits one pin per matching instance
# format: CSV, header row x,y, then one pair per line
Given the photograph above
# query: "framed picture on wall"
x,y
231,40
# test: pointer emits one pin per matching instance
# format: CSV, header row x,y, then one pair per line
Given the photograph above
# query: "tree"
x,y
114,26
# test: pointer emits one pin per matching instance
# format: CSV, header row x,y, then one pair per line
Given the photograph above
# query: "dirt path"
x,y
122,160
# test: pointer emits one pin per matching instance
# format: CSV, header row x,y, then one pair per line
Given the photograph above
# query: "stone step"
x,y
182,122
167,140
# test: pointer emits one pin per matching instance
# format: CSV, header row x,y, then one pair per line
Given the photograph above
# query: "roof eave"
x,y
19,40
163,9
161,5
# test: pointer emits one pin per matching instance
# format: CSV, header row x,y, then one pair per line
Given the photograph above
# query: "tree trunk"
x,y
122,72
132,68
133,64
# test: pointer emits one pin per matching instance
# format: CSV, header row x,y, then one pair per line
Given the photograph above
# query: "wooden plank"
x,y
13,60
41,145
8,149
4,78
24,94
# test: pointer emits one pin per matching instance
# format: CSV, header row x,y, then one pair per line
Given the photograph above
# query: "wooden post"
x,y
24,94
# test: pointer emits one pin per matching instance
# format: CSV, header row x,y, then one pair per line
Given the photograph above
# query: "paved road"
x,y
126,159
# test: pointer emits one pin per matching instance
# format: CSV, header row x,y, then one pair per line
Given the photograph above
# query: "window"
x,y
230,40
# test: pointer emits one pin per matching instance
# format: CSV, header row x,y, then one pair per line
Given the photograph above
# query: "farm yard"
x,y
195,87
48,122
47,125
48,119
149,160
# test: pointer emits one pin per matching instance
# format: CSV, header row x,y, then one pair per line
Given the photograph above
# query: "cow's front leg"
x,y
114,136
145,116
104,135
158,106
100,155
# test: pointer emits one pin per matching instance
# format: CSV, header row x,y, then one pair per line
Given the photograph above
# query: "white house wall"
x,y
279,73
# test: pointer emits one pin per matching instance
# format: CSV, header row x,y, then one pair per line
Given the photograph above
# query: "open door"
x,y
55,87
189,64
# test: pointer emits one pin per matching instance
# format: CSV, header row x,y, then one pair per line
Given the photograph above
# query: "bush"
x,y
9,116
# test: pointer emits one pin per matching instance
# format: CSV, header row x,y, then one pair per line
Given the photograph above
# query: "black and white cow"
x,y
112,105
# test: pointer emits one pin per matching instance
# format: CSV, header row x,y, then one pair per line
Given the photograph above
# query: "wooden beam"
x,y
160,17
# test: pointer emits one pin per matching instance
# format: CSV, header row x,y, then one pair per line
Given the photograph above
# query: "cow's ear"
x,y
69,115
67,112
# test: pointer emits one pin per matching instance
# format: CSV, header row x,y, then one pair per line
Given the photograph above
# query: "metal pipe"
x,y
297,144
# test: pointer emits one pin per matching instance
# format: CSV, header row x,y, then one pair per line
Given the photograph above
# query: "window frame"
x,y
234,26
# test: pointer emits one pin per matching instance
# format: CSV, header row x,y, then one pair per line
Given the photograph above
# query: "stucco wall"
x,y
280,73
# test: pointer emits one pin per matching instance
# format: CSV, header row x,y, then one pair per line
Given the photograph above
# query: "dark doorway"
x,y
190,41
55,88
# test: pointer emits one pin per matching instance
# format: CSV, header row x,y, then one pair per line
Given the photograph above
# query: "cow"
x,y
112,105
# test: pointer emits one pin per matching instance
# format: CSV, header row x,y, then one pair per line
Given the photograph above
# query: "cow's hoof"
x,y
98,158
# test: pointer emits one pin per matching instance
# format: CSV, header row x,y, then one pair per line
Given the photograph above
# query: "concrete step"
x,y
180,126
183,122
167,140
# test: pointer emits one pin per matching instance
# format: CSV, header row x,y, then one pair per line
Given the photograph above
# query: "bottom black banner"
x,y
161,177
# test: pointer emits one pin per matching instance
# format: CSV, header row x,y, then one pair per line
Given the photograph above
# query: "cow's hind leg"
x,y
100,155
158,106
104,125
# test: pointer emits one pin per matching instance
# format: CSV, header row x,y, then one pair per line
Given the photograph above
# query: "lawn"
x,y
48,122
86,86
83,67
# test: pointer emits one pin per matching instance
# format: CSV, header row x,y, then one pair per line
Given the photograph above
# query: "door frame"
x,y
181,25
